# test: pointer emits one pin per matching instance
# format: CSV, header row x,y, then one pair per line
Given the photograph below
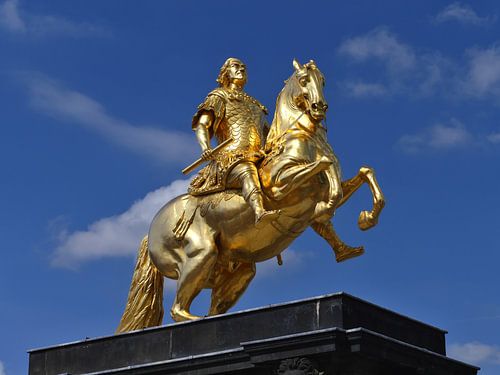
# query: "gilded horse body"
x,y
220,243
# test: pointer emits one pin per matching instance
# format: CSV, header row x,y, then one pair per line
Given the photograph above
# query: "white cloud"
x,y
434,73
494,138
403,70
50,97
9,17
475,352
2,369
382,45
363,89
118,235
442,136
438,137
483,78
16,21
420,74
463,14
52,25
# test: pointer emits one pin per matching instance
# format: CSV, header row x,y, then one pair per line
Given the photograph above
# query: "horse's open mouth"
x,y
317,115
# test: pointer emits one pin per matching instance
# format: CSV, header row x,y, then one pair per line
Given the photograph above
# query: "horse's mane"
x,y
285,98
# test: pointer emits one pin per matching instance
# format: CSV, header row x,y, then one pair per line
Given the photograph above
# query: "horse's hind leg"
x,y
195,271
229,285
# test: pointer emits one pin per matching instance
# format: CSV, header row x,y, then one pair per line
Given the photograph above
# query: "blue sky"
x,y
96,104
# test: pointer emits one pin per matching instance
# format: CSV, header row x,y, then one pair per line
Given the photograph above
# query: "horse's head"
x,y
308,91
302,95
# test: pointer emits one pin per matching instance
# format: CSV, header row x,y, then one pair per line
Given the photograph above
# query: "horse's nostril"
x,y
314,106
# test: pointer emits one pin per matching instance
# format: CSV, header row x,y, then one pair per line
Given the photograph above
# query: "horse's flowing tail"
x,y
145,298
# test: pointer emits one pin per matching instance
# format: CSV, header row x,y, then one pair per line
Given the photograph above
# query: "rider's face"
x,y
237,72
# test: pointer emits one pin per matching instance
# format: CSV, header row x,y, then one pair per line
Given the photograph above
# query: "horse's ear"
x,y
312,63
296,65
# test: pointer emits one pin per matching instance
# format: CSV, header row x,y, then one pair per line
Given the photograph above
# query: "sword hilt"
x,y
200,161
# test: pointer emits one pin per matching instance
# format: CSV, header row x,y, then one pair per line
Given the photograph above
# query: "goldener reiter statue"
x,y
262,187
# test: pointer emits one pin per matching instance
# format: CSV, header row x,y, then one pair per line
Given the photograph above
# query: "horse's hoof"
x,y
366,220
266,218
180,315
348,252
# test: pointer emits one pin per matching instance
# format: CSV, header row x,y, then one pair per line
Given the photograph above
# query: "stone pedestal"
x,y
336,334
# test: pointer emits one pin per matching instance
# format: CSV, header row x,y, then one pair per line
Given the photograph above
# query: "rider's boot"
x,y
262,216
251,190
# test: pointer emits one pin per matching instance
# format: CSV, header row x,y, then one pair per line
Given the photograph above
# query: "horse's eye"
x,y
303,81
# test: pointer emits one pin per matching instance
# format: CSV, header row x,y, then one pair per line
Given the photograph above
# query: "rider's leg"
x,y
342,251
245,175
229,285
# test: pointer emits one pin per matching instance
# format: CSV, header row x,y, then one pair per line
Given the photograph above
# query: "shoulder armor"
x,y
215,102
219,92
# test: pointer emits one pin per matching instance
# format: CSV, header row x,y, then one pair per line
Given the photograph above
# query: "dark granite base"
x,y
335,334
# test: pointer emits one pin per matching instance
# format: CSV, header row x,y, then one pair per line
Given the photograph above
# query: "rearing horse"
x,y
211,241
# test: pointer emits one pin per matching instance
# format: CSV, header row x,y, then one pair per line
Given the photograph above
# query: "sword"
x,y
200,161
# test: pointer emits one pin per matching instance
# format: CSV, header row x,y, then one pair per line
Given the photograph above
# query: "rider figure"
x,y
228,112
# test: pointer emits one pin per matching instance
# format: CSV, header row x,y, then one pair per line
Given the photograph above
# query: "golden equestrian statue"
x,y
263,186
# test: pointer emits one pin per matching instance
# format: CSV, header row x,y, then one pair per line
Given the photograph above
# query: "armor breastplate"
x,y
244,123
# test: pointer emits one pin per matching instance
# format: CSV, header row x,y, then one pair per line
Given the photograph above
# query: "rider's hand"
x,y
207,154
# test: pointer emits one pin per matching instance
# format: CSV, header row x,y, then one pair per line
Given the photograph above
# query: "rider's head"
x,y
233,71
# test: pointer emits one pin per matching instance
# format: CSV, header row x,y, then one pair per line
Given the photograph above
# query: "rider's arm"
x,y
202,133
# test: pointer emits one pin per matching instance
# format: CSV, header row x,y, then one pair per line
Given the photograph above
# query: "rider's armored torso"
x,y
238,116
243,122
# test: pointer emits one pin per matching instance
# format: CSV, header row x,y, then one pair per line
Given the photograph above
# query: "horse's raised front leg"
x,y
195,271
367,219
342,251
229,285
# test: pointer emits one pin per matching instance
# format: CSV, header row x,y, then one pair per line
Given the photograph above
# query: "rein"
x,y
276,139
288,102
